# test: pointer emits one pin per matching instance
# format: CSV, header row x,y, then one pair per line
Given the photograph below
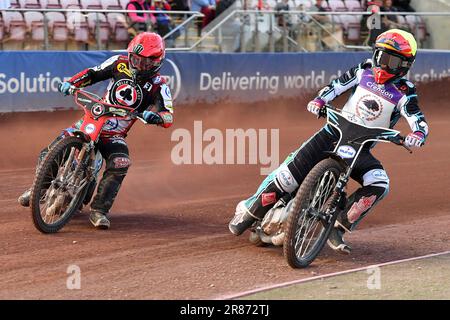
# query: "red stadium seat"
x,y
30,4
58,26
52,4
118,25
91,4
111,5
353,5
76,22
67,4
35,23
103,25
14,25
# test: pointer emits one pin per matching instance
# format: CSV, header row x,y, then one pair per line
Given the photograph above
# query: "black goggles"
x,y
144,63
390,62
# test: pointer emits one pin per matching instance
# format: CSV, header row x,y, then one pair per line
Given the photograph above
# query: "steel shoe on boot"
x,y
241,221
99,220
336,241
24,199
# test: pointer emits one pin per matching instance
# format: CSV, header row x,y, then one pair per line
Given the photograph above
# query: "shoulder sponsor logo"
x,y
122,67
157,80
346,152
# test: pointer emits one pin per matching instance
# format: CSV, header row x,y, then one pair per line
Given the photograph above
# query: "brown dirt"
x,y
169,237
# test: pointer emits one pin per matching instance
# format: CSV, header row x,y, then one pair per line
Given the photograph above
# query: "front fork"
x,y
338,199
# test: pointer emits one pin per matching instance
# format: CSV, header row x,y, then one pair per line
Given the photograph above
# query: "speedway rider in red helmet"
x,y
380,95
134,82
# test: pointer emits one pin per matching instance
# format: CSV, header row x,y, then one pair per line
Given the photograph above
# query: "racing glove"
x,y
64,87
415,139
315,106
152,117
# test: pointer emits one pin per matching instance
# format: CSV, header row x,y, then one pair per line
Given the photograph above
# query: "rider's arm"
x,y
96,74
410,110
163,115
346,81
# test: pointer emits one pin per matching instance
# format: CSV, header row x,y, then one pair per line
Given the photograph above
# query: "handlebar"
x,y
131,113
398,139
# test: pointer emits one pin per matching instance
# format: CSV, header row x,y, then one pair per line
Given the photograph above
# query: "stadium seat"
x,y
51,4
76,22
337,5
118,24
352,27
58,26
305,3
91,4
353,5
30,4
417,26
67,4
14,4
103,25
123,3
14,25
35,23
111,5
402,21
2,30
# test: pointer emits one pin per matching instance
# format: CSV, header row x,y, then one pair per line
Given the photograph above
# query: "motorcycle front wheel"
x,y
308,227
56,194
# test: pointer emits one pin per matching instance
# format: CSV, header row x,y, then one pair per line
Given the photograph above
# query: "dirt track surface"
x,y
169,237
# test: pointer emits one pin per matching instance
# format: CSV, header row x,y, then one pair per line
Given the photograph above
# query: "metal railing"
x,y
277,37
191,15
286,39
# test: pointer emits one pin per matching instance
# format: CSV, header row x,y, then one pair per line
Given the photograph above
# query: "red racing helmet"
x,y
146,53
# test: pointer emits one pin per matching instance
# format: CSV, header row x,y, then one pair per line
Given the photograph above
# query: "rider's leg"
x,y
375,186
24,198
115,151
283,180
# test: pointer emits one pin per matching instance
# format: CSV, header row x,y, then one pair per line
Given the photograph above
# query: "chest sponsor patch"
x,y
124,92
369,107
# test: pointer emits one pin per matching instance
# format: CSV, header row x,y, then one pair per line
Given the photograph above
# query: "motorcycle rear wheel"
x,y
51,205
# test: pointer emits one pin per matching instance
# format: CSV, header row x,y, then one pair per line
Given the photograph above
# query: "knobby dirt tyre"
x,y
47,167
297,214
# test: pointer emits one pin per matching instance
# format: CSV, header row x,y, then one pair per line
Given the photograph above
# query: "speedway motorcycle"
x,y
66,178
303,224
